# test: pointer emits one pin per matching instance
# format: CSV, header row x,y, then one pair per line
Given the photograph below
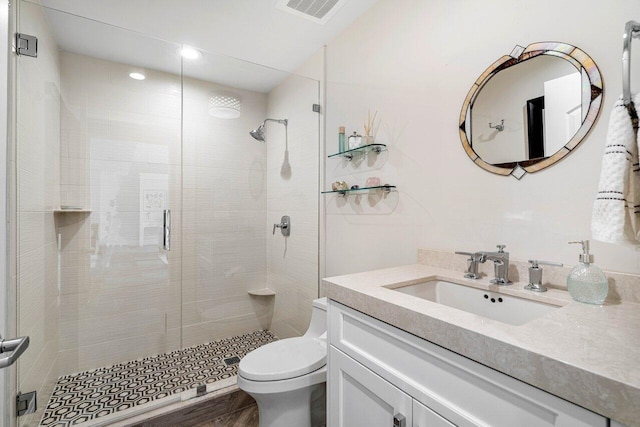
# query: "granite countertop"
x,y
586,354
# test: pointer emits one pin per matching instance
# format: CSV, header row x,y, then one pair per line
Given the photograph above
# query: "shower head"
x,y
258,134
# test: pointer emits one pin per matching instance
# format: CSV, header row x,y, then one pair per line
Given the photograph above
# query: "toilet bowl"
x,y
287,377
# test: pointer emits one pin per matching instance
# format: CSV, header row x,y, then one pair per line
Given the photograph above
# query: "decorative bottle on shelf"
x,y
355,140
342,142
586,282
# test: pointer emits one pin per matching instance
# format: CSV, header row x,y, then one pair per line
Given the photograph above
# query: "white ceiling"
x,y
251,30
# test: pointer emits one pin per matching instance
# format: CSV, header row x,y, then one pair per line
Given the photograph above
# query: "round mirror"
x,y
531,108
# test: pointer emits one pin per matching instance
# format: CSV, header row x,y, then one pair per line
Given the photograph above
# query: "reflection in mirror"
x,y
540,103
531,109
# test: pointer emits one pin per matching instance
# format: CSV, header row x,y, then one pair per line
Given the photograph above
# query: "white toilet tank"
x,y
318,325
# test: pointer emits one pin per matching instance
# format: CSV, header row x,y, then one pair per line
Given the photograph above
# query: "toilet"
x,y
287,377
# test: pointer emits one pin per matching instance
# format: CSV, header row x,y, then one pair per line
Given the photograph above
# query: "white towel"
x,y
616,211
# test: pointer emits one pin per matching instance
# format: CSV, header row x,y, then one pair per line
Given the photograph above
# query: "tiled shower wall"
x,y
38,129
225,198
292,189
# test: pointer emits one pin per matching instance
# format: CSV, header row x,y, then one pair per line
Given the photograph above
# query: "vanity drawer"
x,y
459,389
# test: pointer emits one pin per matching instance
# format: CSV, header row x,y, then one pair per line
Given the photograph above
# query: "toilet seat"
x,y
285,359
283,386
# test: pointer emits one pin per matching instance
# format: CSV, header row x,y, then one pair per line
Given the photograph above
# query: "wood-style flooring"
x,y
235,409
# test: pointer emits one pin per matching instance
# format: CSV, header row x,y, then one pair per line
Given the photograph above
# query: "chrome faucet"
x,y
500,265
472,263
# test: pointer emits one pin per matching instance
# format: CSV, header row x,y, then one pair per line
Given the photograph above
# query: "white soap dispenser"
x,y
586,282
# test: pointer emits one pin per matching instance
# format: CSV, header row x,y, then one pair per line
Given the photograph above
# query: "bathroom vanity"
x,y
396,359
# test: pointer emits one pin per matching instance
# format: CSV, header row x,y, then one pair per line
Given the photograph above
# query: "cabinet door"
x,y
425,417
360,398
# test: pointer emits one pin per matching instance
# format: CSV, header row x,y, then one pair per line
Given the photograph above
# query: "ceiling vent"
x,y
318,11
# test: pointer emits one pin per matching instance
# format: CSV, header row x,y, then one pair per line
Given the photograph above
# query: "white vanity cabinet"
x,y
378,372
365,399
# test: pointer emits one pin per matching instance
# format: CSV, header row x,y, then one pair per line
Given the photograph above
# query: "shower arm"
x,y
281,121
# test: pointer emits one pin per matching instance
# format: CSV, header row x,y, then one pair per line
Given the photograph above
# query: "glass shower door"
x,y
98,170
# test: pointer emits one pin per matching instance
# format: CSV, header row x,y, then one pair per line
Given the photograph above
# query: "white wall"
x,y
414,62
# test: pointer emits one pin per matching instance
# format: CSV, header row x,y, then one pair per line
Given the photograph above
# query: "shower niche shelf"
x,y
384,188
348,154
67,210
264,292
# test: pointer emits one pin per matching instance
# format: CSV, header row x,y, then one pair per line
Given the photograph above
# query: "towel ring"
x,y
631,30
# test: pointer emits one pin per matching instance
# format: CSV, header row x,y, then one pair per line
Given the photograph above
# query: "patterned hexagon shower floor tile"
x,y
85,396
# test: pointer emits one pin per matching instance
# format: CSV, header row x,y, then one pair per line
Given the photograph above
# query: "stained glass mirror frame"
x,y
590,76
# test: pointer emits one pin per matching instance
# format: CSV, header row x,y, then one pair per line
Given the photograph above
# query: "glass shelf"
x,y
384,188
376,148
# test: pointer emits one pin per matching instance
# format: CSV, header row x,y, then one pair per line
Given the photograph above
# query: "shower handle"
x,y
166,240
284,226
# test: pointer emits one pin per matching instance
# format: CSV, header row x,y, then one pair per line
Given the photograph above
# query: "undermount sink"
x,y
497,306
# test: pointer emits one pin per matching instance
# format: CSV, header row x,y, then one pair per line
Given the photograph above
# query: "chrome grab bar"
x,y
15,346
166,240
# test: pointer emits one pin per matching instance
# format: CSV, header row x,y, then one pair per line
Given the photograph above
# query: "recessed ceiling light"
x,y
190,53
137,76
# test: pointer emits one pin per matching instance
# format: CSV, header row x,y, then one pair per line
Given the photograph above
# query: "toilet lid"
x,y
288,358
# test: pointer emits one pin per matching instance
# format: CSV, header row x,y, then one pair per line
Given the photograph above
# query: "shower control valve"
x,y
284,226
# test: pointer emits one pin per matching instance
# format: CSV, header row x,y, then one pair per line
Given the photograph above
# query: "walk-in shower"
x,y
258,133
99,157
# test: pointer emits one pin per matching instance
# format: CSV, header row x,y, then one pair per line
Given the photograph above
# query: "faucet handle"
x,y
474,256
534,263
535,275
501,248
463,253
472,264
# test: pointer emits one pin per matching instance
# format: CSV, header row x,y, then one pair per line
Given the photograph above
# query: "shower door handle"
x,y
15,346
166,239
